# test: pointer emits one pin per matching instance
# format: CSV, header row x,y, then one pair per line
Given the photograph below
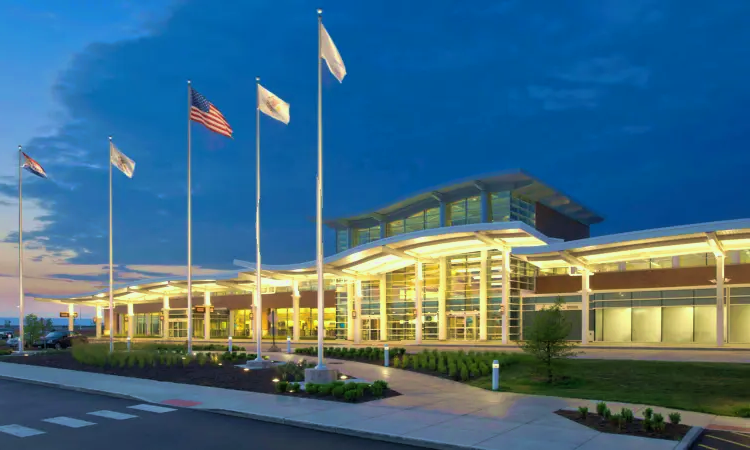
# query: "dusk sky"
x,y
636,108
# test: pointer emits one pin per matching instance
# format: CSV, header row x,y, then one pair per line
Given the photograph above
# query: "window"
x,y
422,220
465,211
361,236
342,240
507,207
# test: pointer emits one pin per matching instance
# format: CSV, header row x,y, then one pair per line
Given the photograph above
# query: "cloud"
x,y
553,99
610,70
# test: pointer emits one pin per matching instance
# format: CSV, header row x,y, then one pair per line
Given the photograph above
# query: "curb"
x,y
259,417
689,438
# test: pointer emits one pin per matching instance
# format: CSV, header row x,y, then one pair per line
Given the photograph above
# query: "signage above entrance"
x,y
67,314
202,309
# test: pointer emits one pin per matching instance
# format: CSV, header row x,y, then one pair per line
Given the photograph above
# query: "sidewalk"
x,y
432,412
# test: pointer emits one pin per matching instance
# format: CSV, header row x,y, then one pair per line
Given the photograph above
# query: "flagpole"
x,y
258,286
111,269
189,234
319,221
20,250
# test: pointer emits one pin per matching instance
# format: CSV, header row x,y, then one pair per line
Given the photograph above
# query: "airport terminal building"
x,y
470,261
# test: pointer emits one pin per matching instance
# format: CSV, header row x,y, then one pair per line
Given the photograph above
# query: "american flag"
x,y
33,166
202,111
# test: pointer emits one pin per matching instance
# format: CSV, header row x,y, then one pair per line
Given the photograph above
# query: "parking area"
x,y
722,440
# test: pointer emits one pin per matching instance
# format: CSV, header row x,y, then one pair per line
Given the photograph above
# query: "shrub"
x,y
441,368
584,411
616,420
743,412
658,418
350,387
484,369
648,413
396,362
659,424
464,373
325,389
377,390
627,415
648,425
405,361
432,365
281,386
338,391
414,362
350,396
311,388
294,387
365,387
675,418
381,383
607,413
600,408
452,371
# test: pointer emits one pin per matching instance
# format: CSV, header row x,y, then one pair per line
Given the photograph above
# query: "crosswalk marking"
x,y
112,415
19,431
68,422
152,408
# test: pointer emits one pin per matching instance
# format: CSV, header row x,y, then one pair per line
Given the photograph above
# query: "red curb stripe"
x,y
178,402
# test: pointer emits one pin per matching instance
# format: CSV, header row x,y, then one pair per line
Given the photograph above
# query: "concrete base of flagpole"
x,y
255,364
321,376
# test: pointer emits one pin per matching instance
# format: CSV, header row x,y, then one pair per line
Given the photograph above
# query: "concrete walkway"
x,y
432,412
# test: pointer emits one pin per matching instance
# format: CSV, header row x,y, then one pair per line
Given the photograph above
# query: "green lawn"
x,y
717,388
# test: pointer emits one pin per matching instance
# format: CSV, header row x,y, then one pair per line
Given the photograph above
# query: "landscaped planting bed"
x,y
204,369
715,388
651,426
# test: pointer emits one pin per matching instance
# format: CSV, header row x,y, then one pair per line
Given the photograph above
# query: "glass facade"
x,y
399,301
423,220
362,236
668,262
342,240
508,207
430,293
342,311
147,324
465,211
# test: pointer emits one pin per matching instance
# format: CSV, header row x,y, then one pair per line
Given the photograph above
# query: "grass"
x,y
716,388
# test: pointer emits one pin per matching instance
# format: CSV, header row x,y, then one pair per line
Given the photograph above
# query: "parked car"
x,y
6,334
60,340
12,342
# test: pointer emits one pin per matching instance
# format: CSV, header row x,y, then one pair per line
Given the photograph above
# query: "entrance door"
x,y
463,327
370,329
177,328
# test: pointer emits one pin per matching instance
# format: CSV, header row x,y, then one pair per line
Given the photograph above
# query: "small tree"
x,y
546,337
34,328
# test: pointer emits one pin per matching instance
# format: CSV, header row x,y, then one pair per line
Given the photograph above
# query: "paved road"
x,y
37,417
722,440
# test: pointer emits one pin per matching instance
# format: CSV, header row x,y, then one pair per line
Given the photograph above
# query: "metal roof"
x,y
517,180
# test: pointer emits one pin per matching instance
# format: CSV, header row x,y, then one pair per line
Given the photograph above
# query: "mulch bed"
x,y
226,376
598,423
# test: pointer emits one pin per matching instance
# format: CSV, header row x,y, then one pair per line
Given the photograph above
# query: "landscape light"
x,y
344,377
275,380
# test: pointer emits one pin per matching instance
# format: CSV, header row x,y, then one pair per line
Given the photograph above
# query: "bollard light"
x,y
128,343
230,344
495,375
385,355
289,345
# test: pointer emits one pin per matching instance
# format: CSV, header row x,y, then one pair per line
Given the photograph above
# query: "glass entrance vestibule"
x,y
463,326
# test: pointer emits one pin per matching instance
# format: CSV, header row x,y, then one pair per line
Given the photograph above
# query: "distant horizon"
x,y
57,321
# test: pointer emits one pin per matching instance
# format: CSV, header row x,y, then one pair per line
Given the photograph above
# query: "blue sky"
x,y
634,107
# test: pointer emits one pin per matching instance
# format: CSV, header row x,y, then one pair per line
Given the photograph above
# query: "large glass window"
x,y
465,211
342,311
243,325
400,304
422,220
147,324
507,207
463,283
361,236
370,298
430,292
342,240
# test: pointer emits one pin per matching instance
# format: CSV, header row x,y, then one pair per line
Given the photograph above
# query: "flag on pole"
x,y
331,54
33,166
122,162
272,105
202,111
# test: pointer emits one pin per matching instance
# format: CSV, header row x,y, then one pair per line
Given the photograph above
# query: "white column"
x,y
131,320
585,290
207,315
506,293
383,313
350,320
165,314
99,321
358,311
295,310
720,300
442,290
418,281
483,295
71,316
